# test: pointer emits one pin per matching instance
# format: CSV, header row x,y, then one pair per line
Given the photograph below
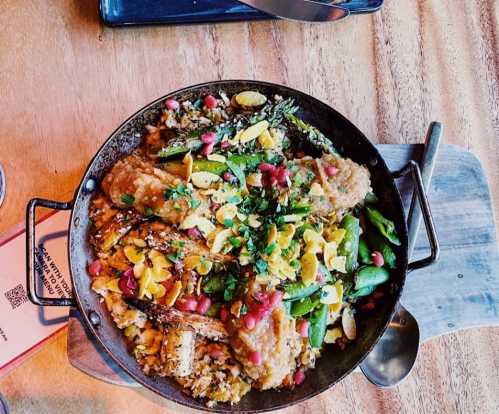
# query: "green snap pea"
x,y
305,305
318,325
297,290
377,242
386,227
366,291
349,246
364,252
370,276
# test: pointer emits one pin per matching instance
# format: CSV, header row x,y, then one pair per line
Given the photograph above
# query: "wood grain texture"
x,y
66,82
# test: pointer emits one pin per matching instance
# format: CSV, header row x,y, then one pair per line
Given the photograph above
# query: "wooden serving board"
x,y
460,291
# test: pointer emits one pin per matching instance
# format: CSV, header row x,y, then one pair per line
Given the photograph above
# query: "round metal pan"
x,y
332,366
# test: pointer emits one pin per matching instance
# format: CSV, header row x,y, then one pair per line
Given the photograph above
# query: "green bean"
x,y
364,252
305,305
297,290
386,227
218,168
318,325
349,247
366,291
370,276
377,242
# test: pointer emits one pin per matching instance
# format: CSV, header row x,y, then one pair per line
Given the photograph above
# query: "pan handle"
x,y
413,168
31,252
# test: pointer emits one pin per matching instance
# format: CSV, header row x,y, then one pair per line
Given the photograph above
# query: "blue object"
x,y
140,12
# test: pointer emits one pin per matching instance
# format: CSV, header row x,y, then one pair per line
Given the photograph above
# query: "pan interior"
x,y
332,366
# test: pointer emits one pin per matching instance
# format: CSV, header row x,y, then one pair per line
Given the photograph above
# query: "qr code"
x,y
16,296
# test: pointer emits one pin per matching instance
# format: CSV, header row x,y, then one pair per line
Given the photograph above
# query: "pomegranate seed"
x,y
275,298
302,328
203,305
216,353
172,104
208,137
215,206
194,233
95,268
299,377
186,304
127,283
210,102
207,149
229,177
378,259
224,144
282,174
224,314
331,171
255,358
249,321
266,167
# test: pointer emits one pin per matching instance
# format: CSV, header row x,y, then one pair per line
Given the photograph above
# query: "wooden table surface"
x,y
66,82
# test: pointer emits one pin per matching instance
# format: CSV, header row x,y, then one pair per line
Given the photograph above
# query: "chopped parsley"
x,y
177,192
235,241
270,248
128,199
194,203
230,287
261,265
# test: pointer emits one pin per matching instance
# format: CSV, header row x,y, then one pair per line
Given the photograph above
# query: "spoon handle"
x,y
427,165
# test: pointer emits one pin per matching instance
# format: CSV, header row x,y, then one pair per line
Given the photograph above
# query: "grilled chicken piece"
x,y
134,180
202,325
113,229
344,190
164,238
177,351
279,344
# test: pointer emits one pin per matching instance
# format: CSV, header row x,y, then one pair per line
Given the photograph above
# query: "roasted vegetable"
x,y
386,227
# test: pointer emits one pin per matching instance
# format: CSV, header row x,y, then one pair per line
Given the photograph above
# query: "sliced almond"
x,y
220,239
204,179
226,212
348,324
332,335
253,131
250,98
217,158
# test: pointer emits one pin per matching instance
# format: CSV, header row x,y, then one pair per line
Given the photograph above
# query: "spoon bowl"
x,y
393,357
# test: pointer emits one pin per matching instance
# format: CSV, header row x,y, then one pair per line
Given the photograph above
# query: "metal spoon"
x,y
394,356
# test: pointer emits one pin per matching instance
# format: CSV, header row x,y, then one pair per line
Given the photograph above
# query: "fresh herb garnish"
x,y
228,223
230,287
194,203
235,241
261,265
238,172
270,248
128,199
177,192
